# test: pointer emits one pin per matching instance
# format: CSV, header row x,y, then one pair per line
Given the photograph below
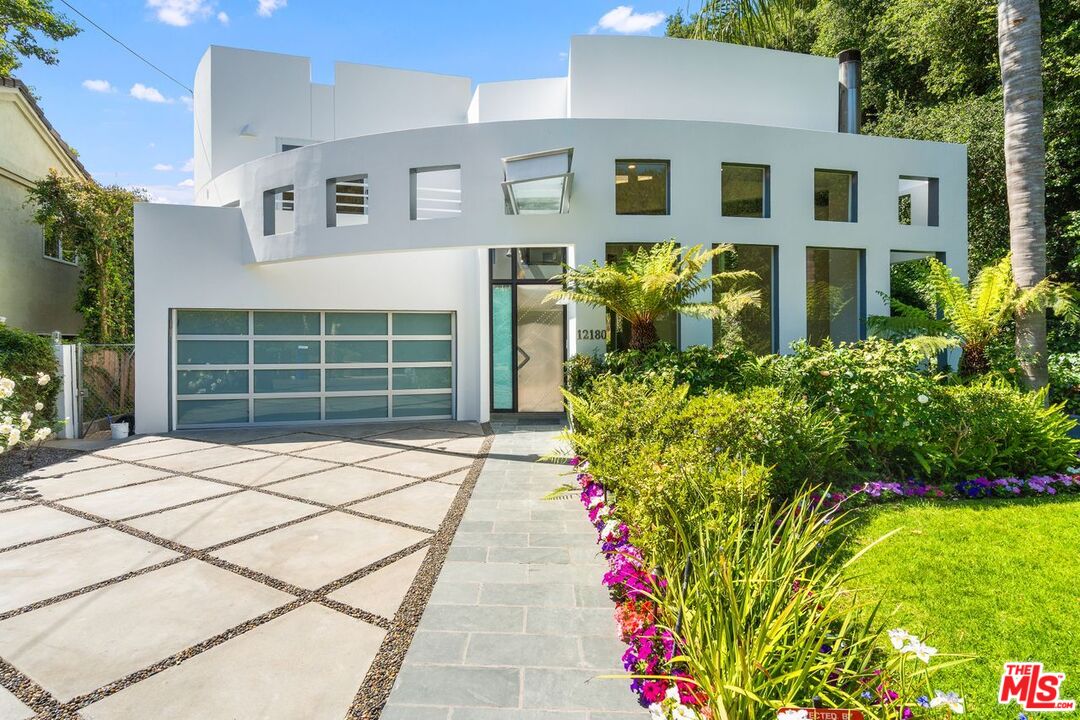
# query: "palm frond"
x,y
930,346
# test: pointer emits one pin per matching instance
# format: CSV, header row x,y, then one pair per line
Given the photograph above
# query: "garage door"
x,y
239,367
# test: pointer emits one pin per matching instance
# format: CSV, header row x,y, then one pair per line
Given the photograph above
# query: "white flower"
x,y
14,436
923,399
596,500
7,387
39,406
608,532
901,637
954,701
922,651
793,715
42,433
43,378
25,419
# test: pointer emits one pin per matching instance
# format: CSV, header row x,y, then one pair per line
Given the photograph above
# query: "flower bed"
x,y
973,489
660,684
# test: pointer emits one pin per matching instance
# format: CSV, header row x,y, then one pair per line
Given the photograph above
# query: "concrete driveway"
x,y
269,573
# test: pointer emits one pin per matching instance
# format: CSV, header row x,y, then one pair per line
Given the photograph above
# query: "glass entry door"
x,y
528,335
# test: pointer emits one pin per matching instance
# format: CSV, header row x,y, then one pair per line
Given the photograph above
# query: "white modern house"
x,y
381,248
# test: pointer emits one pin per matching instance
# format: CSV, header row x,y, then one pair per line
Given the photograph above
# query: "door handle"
x,y
524,362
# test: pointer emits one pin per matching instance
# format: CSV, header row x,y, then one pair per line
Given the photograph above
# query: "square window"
x,y
347,201
744,190
755,325
641,187
834,295
278,207
835,195
917,201
435,192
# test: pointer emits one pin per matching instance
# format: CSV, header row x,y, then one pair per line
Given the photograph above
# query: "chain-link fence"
x,y
106,385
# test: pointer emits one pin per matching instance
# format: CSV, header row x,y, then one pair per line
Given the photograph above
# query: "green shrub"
x,y
883,392
799,444
991,429
22,356
1065,380
766,619
701,367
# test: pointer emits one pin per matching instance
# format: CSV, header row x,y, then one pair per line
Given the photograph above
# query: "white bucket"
x,y
119,430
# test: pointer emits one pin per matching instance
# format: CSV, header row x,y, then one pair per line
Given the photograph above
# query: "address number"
x,y
592,334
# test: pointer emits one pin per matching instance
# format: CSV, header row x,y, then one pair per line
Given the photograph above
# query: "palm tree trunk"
x,y
974,361
1019,35
643,335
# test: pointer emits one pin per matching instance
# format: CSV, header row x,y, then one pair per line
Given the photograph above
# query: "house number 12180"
x,y
584,334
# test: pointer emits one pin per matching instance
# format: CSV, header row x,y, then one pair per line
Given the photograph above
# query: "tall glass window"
x,y
835,195
754,325
618,331
642,187
744,190
835,304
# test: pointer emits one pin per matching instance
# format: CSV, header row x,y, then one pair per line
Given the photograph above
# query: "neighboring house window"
x,y
835,306
756,325
835,195
744,190
347,201
278,210
917,201
641,187
58,248
435,192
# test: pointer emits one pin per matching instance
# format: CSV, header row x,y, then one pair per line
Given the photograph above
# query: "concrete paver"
x,y
382,591
36,522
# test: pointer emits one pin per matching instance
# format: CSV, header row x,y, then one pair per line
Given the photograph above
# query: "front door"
x,y
528,335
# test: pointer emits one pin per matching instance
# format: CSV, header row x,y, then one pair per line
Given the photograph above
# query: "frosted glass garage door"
x,y
246,367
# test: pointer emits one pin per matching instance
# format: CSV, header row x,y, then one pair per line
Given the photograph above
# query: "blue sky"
x,y
132,126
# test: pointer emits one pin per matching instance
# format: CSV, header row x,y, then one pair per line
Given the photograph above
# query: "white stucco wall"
x,y
519,100
187,257
668,78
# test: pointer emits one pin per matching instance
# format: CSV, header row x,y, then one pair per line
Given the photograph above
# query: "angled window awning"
x,y
538,183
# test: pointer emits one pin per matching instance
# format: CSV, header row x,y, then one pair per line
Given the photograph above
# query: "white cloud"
x,y
188,102
148,94
189,183
223,17
188,166
99,86
624,20
168,194
163,167
180,13
268,7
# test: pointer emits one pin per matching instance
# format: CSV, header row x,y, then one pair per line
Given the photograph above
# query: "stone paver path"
x,y
518,626
250,573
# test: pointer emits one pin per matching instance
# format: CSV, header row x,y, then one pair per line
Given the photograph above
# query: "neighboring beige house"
x,y
37,284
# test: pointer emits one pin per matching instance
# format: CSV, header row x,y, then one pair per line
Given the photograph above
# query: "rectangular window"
x,y
917,201
641,187
355,323
618,330
744,190
835,303
59,248
211,322
835,195
347,201
278,207
435,192
755,326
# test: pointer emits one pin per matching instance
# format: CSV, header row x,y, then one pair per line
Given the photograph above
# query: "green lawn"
x,y
996,579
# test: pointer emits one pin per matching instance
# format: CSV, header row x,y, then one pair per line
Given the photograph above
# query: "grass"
x,y
999,579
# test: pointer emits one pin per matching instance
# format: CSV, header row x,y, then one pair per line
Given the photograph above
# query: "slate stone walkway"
x,y
518,626
265,573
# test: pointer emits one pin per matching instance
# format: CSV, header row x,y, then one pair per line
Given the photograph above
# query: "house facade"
x,y
38,281
381,248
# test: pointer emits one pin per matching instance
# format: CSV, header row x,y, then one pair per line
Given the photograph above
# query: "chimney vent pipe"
x,y
850,117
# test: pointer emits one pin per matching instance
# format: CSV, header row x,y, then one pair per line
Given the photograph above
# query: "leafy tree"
x,y
656,280
99,222
22,22
973,316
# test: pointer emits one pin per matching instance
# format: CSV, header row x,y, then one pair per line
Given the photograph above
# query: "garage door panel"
x,y
268,366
